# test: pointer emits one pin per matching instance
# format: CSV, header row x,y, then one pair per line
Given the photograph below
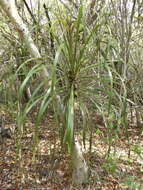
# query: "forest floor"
x,y
121,170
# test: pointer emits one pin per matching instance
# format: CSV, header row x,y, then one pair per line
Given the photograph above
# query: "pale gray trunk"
x,y
80,168
10,9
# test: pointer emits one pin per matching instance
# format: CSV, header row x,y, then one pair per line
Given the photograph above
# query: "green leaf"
x,y
68,138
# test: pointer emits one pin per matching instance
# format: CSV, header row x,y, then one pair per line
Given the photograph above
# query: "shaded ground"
x,y
51,170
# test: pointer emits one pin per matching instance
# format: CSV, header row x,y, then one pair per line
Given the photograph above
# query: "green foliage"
x,y
94,65
69,114
131,184
110,165
138,150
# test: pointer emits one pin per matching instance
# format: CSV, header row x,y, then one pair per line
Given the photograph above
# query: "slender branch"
x,y
30,12
50,26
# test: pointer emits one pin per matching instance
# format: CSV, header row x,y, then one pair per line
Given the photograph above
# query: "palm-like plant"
x,y
81,73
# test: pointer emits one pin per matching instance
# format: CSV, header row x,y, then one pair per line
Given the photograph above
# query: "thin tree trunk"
x,y
10,9
80,168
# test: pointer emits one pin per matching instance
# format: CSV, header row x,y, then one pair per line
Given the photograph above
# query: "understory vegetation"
x,y
71,94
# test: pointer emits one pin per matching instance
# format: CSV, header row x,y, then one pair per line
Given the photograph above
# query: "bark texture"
x,y
80,168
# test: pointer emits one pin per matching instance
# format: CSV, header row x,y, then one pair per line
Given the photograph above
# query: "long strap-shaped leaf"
x,y
70,121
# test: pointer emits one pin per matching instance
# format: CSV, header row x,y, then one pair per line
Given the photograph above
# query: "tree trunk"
x,y
10,9
80,168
